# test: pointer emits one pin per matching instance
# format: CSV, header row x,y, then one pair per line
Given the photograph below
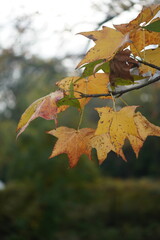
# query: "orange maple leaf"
x,y
145,129
44,107
96,84
108,41
150,56
139,37
144,17
142,38
72,142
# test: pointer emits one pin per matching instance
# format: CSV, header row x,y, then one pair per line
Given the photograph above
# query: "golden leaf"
x,y
119,125
102,143
114,127
72,142
96,84
150,56
144,128
144,16
142,38
107,41
139,37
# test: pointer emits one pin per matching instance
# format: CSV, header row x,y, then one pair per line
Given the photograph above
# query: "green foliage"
x,y
94,67
154,26
70,99
66,210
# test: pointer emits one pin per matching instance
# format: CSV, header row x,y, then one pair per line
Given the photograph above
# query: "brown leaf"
x,y
72,142
121,65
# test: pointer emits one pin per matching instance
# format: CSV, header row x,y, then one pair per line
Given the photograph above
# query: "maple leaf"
x,y
111,55
72,142
96,84
150,56
144,17
139,37
144,128
44,107
119,125
107,40
120,66
114,127
102,143
142,38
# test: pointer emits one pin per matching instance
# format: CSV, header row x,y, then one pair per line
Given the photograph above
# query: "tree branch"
x,y
148,64
121,92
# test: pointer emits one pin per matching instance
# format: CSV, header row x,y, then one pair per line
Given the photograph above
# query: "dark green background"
x,y
45,199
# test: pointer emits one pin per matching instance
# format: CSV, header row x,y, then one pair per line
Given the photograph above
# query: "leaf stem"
x,y
122,100
81,118
114,102
137,50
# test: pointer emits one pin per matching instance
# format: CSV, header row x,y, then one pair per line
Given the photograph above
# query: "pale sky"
x,y
56,23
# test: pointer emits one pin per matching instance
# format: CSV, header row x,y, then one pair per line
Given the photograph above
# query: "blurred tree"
x,y
112,9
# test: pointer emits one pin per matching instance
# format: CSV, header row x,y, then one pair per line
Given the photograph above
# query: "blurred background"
x,y
41,198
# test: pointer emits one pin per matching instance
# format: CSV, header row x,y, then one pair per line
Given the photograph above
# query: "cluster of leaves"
x,y
121,56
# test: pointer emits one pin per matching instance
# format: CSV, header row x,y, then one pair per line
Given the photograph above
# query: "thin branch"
x,y
148,64
121,92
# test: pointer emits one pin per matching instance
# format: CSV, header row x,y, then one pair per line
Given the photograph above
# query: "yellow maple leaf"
x,y
119,125
108,41
96,84
150,56
44,107
142,38
102,143
114,127
144,17
144,128
139,37
72,142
